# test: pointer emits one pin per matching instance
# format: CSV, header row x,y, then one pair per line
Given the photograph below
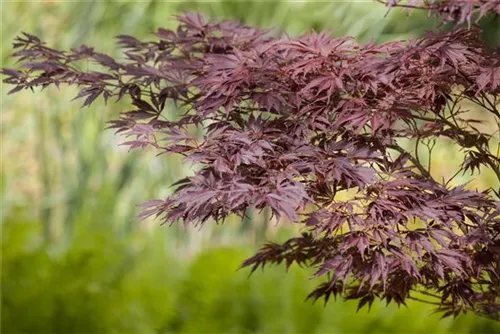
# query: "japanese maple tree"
x,y
326,133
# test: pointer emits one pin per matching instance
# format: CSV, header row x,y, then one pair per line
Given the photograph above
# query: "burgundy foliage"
x,y
292,124
458,11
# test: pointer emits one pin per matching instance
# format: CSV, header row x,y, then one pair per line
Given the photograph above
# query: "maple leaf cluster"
x,y
456,11
295,124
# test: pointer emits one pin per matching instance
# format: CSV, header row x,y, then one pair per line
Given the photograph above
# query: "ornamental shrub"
x,y
325,132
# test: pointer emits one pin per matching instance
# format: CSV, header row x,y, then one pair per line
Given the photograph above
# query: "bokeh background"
x,y
74,259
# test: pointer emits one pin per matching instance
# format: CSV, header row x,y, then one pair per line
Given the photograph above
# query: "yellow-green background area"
x,y
74,257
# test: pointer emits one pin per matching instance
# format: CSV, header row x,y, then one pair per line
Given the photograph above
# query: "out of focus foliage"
x,y
74,258
106,284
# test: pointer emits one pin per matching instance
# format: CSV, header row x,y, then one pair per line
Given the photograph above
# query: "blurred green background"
x,y
75,259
